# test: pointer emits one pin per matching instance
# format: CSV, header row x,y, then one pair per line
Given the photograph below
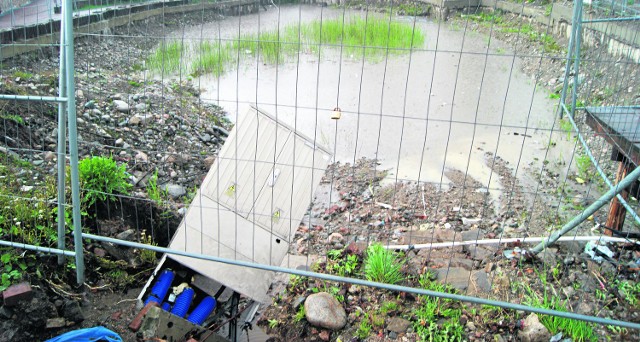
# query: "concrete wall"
x,y
6,5
621,40
45,33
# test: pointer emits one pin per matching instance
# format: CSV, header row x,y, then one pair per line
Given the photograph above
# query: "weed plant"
x,y
364,328
526,30
101,178
579,331
27,215
154,192
383,265
342,264
437,319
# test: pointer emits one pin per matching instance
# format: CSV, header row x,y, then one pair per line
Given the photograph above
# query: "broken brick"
x,y
137,321
16,293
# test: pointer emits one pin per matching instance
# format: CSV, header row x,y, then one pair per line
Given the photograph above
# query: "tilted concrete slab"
x,y
251,202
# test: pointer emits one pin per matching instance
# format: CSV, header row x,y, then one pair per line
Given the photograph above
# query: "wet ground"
x,y
439,108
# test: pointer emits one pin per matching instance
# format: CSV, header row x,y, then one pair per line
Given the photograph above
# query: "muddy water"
x,y
442,107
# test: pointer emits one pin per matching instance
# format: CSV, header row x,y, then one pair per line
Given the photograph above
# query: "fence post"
x,y
67,22
570,53
604,199
62,147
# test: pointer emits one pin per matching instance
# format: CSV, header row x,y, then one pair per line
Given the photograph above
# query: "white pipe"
x,y
509,240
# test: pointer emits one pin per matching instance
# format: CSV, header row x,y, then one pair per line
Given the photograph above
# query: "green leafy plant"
x,y
567,127
388,307
629,291
437,319
147,255
383,265
101,178
154,192
23,74
300,314
13,269
135,84
273,323
583,163
341,265
364,328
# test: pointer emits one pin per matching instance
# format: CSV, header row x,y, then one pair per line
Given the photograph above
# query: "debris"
x,y
137,321
55,323
16,293
513,253
384,205
89,334
595,248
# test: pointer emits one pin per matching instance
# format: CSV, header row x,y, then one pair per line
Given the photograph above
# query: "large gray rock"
x,y
457,277
175,190
72,311
121,106
324,311
398,325
534,331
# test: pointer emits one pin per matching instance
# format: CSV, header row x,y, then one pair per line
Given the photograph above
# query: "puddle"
x,y
419,114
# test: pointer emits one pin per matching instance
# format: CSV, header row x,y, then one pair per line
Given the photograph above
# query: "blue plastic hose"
x,y
160,288
166,306
183,302
202,311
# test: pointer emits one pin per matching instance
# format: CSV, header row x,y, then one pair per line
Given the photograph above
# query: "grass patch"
x,y
167,57
213,59
527,30
437,319
383,265
579,331
583,164
373,38
23,75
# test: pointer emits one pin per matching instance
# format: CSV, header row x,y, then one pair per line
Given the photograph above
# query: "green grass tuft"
x,y
382,265
167,57
579,331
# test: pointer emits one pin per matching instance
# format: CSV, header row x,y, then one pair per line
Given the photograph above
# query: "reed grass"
x,y
167,57
373,37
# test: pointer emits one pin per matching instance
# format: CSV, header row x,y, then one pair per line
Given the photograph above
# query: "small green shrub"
x,y
300,314
583,163
383,265
23,75
629,291
135,84
155,194
364,329
101,178
437,319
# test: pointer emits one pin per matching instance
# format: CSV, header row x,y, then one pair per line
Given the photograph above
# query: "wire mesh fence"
x,y
402,157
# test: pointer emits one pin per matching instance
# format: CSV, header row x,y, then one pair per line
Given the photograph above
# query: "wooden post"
x,y
617,212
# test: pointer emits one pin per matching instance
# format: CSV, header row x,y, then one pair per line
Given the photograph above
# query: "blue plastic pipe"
x,y
202,311
166,306
160,288
183,302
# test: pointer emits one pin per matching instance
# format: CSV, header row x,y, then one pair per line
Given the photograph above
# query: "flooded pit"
x,y
444,106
